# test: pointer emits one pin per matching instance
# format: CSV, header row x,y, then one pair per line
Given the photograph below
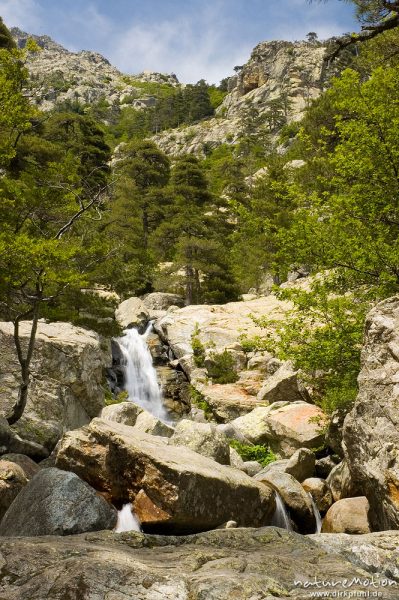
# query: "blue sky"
x,y
193,38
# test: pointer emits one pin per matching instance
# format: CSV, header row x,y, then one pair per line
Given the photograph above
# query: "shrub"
x,y
262,454
198,348
222,368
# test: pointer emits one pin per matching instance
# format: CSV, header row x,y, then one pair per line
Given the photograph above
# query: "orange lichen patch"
x,y
147,512
393,492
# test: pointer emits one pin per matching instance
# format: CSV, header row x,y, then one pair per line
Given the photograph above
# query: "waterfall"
x,y
281,517
127,520
141,381
316,513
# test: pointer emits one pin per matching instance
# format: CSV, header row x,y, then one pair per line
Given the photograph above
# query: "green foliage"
x,y
221,368
322,336
262,454
111,399
198,348
6,39
216,96
199,401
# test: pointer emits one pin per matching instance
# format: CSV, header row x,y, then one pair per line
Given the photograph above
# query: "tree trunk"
x,y
19,406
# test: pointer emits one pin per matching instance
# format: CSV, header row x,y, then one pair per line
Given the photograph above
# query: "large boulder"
x,y
301,465
12,481
203,438
66,388
158,303
320,491
371,430
171,488
219,326
121,412
350,515
132,313
284,426
295,498
283,386
57,503
28,466
228,401
341,483
11,442
148,423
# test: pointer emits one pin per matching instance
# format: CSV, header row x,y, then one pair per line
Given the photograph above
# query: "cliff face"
x,y
277,83
59,75
274,87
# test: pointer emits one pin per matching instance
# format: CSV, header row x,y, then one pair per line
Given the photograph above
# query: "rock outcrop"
x,y
171,488
371,429
282,75
66,388
57,503
59,75
284,426
244,564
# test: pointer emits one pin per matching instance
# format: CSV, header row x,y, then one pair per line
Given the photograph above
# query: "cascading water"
x,y
281,517
141,381
316,513
127,521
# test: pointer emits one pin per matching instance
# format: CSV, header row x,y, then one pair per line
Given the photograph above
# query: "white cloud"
x,y
25,14
194,47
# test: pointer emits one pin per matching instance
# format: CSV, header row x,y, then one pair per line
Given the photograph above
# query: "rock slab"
x,y
239,564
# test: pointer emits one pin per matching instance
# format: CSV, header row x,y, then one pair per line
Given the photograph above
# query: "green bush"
x,y
199,401
222,369
262,454
198,348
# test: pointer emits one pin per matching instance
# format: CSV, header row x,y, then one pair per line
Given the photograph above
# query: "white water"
x,y
316,513
281,517
141,378
127,521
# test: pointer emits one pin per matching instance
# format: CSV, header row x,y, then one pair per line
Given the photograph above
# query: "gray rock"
x,y
29,467
172,488
123,412
350,515
371,429
283,386
284,426
335,432
147,423
341,482
377,553
320,491
11,442
325,465
203,438
162,301
236,460
244,564
294,497
12,481
301,465
66,388
132,313
252,467
57,503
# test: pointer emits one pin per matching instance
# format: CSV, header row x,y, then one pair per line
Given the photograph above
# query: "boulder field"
x,y
186,476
